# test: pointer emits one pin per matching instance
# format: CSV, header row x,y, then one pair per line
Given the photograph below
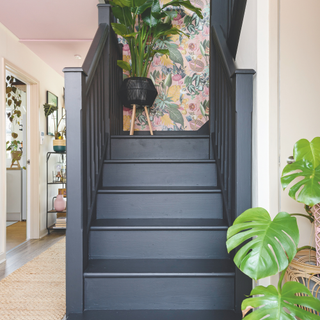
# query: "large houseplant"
x,y
268,246
145,25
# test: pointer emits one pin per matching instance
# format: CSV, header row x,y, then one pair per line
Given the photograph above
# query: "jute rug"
x,y
36,291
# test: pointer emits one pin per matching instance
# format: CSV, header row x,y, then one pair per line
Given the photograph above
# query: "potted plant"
x,y
145,26
269,246
59,142
16,154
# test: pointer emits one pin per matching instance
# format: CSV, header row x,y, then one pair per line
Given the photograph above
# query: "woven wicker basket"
x,y
303,269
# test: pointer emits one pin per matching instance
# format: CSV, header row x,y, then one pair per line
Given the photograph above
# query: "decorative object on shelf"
x,y
59,173
145,25
63,191
273,245
59,203
138,92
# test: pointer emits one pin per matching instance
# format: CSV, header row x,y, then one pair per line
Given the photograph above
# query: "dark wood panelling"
x,y
201,293
175,204
158,147
153,174
158,244
157,315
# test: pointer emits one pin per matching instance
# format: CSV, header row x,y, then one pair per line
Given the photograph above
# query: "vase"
x,y
59,145
59,203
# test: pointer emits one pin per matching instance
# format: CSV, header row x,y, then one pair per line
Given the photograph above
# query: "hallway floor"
x,y
28,250
16,234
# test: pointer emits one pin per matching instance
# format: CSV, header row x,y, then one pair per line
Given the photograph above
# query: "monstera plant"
x,y
267,246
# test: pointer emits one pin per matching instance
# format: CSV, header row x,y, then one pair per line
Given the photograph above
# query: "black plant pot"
x,y
137,91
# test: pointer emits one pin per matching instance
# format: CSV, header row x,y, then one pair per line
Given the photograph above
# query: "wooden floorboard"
x,y
16,234
26,251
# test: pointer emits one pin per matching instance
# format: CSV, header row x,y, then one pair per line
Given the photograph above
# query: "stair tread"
x,y
164,189
165,267
158,161
161,137
156,315
159,223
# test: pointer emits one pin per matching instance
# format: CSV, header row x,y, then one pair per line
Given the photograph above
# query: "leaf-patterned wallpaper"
x,y
182,79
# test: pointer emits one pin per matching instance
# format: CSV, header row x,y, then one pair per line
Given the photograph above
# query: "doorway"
x,y
30,156
16,160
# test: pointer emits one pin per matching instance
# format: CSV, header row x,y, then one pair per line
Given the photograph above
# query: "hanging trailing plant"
x,y
13,100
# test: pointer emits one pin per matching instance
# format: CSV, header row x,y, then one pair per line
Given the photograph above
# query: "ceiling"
x,y
55,31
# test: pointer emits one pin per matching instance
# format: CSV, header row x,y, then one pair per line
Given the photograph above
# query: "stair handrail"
x,y
90,95
238,11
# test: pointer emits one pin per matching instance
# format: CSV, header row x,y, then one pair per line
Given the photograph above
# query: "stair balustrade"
x,y
231,99
93,113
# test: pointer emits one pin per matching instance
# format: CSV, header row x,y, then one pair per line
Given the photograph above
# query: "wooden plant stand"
x,y
134,117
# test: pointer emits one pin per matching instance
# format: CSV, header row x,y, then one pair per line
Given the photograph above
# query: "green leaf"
x,y
145,6
175,55
203,52
175,115
168,80
124,65
203,112
274,244
149,19
281,305
119,29
307,163
187,4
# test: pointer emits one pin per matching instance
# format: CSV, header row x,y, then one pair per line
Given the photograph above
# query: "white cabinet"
x,y
14,191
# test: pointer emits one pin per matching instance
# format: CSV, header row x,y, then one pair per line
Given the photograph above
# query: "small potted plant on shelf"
x,y
267,247
144,25
59,142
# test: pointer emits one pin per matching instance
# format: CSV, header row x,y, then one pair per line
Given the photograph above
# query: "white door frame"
x,y
33,149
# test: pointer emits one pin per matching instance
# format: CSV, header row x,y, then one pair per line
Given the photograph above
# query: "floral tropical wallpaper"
x,y
182,79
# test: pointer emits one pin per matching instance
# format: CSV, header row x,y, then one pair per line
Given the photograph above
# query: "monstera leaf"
x,y
307,162
273,303
274,244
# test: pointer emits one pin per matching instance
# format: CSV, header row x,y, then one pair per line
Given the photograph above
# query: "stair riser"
x,y
173,149
159,174
197,293
159,205
158,244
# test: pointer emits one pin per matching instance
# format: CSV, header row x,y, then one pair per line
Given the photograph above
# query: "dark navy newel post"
x,y
75,258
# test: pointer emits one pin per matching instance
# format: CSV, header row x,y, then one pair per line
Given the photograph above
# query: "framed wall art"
x,y
52,119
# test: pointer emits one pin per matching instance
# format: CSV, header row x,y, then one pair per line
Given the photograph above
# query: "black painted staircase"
x,y
157,244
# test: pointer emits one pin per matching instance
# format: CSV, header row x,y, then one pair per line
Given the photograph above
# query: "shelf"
x,y
53,227
55,211
57,183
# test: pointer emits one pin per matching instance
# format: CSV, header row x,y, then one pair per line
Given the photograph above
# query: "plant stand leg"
x,y
133,118
149,123
316,214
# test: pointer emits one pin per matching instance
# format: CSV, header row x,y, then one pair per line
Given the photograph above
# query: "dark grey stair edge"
x,y
156,228
156,161
162,137
158,275
158,190
155,315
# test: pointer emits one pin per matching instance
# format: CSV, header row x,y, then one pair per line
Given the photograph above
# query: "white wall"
x,y
19,55
280,40
300,85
